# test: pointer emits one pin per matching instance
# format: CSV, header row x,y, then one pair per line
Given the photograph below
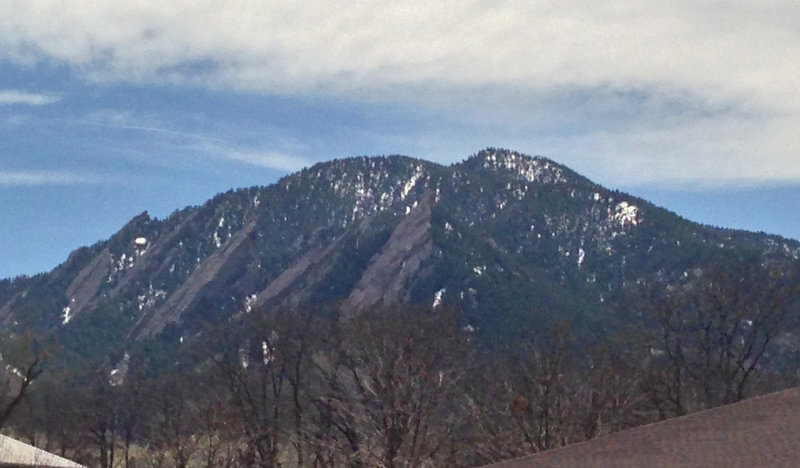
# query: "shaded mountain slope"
x,y
507,238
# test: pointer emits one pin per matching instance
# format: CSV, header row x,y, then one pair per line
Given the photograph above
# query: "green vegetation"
x,y
580,311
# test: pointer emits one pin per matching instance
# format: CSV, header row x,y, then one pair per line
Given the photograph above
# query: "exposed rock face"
x,y
290,276
409,246
501,236
84,288
218,268
154,259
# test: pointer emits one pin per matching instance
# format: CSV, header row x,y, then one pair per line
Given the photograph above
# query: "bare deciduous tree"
x,y
391,386
20,364
712,334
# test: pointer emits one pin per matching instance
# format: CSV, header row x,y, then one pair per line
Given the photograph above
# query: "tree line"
x,y
406,386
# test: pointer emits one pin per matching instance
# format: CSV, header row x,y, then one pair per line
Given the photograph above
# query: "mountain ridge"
x,y
504,237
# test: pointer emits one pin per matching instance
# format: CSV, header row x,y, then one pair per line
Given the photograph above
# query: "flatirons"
x,y
506,238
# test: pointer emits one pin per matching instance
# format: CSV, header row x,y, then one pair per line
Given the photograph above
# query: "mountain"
x,y
510,240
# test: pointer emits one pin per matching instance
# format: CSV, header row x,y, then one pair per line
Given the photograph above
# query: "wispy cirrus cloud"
x,y
145,123
207,142
17,97
33,178
269,159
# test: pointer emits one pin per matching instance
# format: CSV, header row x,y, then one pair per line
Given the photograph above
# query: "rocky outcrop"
x,y
212,270
295,284
152,259
510,237
385,278
288,277
88,281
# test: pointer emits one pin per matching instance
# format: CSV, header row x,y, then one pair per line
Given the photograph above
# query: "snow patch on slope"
x,y
525,167
626,214
437,297
65,315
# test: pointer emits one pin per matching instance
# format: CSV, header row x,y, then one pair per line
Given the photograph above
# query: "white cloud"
x,y
13,96
29,178
268,159
172,137
369,45
652,89
145,123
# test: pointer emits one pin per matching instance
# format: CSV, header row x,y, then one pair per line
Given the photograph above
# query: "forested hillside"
x,y
389,311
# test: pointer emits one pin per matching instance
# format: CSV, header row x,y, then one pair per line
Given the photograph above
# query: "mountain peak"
x,y
507,237
523,167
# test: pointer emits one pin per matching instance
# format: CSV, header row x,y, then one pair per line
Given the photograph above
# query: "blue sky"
x,y
108,109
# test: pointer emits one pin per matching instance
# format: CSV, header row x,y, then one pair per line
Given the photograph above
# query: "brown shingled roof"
x,y
759,432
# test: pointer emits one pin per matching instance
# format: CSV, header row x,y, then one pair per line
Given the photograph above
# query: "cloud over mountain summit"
x,y
650,85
